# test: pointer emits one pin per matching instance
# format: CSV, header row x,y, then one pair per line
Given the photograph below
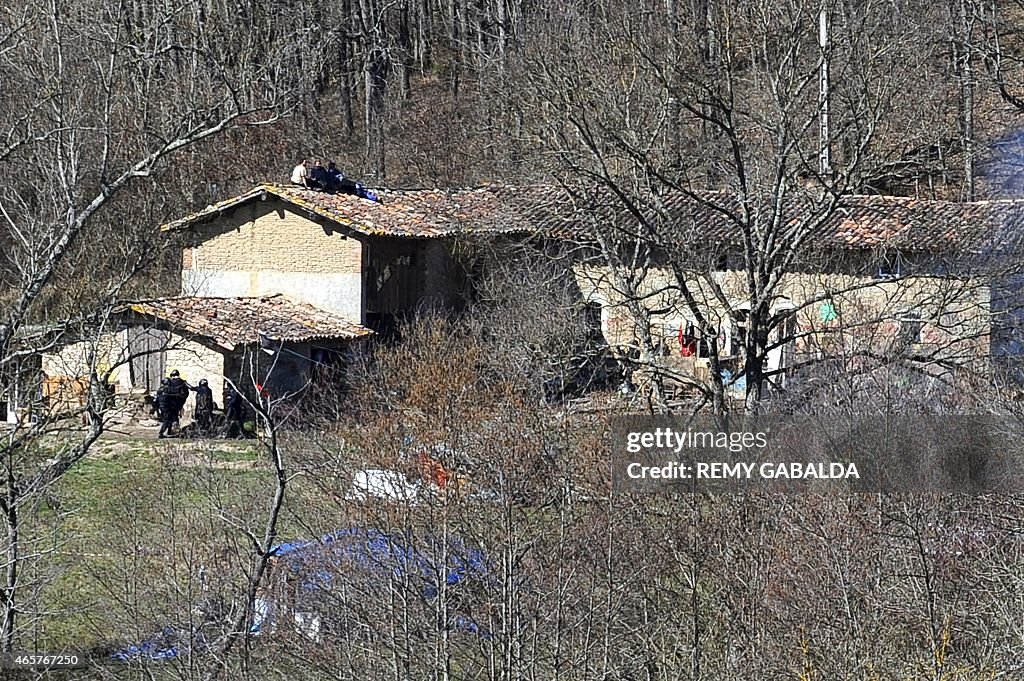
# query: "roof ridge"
x,y
184,297
949,202
414,214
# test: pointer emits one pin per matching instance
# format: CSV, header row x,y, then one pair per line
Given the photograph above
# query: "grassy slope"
x,y
125,517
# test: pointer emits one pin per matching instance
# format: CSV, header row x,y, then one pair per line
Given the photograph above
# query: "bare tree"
x,y
97,99
750,121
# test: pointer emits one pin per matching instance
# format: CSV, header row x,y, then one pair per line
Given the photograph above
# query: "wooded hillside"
x,y
922,99
116,117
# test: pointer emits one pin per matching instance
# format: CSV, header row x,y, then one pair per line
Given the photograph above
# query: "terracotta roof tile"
x,y
859,222
427,213
230,322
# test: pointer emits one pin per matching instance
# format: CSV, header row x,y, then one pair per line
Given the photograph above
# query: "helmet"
x,y
175,373
203,381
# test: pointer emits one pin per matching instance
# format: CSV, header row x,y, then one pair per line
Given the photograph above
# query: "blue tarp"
x,y
318,563
379,552
162,646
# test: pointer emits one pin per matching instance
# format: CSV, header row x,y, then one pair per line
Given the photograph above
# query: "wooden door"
x,y
148,347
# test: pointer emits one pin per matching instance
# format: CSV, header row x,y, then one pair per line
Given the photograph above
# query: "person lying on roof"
x,y
338,182
335,178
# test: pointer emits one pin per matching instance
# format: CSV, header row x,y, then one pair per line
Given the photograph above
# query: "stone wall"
x,y
268,247
946,316
75,361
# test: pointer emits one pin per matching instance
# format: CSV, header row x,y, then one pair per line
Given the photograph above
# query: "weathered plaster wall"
x,y
266,247
869,311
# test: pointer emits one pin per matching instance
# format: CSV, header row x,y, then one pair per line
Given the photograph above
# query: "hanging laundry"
x,y
828,311
687,341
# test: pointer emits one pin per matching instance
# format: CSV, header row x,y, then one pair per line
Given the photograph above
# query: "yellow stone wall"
x,y
870,310
268,247
75,361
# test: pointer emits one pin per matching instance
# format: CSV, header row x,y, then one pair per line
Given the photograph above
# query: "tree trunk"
x,y
502,20
376,81
824,130
13,562
756,352
424,35
345,69
406,46
375,72
673,130
966,76
455,42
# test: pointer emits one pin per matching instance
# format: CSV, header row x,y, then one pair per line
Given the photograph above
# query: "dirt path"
x,y
140,438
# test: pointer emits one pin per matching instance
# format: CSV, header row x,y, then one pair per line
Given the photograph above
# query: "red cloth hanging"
x,y
687,342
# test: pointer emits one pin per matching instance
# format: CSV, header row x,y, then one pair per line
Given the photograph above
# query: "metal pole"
x,y
824,141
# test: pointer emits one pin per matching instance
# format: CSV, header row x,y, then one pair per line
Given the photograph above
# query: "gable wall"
x,y
266,247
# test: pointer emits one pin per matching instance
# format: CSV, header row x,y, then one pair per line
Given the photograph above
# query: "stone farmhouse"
x,y
930,282
280,282
280,285
368,262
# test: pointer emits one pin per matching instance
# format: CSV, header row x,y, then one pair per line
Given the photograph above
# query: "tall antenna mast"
x,y
824,139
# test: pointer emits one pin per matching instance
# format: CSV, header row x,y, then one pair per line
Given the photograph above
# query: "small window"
x,y
891,267
911,326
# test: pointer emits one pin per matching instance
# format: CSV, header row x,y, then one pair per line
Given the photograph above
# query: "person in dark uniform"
x,y
170,399
318,175
204,407
335,177
154,402
165,411
234,414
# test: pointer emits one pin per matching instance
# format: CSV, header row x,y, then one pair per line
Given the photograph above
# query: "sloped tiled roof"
x,y
424,213
857,221
231,322
854,222
868,222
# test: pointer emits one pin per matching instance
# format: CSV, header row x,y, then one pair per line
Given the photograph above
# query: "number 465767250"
x,y
37,661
